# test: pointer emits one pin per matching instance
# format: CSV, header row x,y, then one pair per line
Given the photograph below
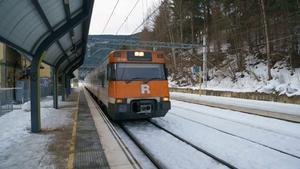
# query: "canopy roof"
x,y
57,27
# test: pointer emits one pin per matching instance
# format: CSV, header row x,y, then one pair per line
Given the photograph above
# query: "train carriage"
x,y
131,84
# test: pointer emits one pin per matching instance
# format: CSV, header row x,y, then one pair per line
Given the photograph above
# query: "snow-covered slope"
x,y
253,79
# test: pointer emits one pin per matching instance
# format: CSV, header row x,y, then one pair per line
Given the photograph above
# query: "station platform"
x,y
95,143
20,148
281,111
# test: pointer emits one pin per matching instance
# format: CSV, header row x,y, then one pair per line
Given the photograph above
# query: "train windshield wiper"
x,y
135,78
154,78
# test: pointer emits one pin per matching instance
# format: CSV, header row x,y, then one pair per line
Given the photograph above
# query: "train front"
x,y
138,86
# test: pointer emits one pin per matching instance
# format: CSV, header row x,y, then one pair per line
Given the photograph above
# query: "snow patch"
x,y
46,103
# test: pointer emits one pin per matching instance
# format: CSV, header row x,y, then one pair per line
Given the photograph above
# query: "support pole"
x,y
68,86
63,87
174,58
35,93
55,98
204,61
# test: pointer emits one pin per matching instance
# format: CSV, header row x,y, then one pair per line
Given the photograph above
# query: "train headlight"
x,y
120,101
165,99
139,54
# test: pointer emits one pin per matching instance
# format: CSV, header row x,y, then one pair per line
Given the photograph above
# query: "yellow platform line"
x,y
73,139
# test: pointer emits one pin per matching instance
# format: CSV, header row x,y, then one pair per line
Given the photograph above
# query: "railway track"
x,y
234,121
216,158
234,135
156,162
140,133
140,146
194,146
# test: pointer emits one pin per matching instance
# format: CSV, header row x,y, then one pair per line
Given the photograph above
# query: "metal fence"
x,y
6,99
10,97
46,87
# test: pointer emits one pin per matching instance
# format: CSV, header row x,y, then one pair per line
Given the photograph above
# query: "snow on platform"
x,y
20,148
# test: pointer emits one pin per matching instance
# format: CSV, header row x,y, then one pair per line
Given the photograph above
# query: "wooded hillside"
x,y
269,30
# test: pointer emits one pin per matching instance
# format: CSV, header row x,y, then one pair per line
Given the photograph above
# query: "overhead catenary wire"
x,y
143,10
107,22
148,17
125,20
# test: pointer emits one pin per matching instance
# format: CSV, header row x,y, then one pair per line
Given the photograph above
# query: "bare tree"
x,y
262,3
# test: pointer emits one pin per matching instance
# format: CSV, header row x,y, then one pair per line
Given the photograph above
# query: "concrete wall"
x,y
243,95
13,66
1,51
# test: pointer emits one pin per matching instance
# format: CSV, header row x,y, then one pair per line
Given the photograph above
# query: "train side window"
x,y
166,72
103,80
99,79
108,71
111,71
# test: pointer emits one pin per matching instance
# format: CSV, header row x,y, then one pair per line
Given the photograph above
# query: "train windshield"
x,y
135,71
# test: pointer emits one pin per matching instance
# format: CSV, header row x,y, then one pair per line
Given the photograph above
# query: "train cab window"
x,y
140,71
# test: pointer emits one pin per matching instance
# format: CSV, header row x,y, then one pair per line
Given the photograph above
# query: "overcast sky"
x,y
102,10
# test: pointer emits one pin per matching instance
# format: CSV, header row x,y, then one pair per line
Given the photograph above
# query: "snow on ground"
x,y
270,124
238,151
255,104
282,142
169,151
46,103
19,147
142,159
253,79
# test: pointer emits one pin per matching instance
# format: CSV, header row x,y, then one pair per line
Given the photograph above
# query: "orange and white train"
x,y
131,84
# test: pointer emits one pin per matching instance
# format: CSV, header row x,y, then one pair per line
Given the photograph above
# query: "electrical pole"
x,y
204,51
174,58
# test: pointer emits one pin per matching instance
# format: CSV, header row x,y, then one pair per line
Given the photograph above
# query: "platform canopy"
x,y
57,27
50,31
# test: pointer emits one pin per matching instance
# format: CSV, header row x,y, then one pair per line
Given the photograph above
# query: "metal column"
x,y
69,86
63,87
68,92
35,93
55,98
